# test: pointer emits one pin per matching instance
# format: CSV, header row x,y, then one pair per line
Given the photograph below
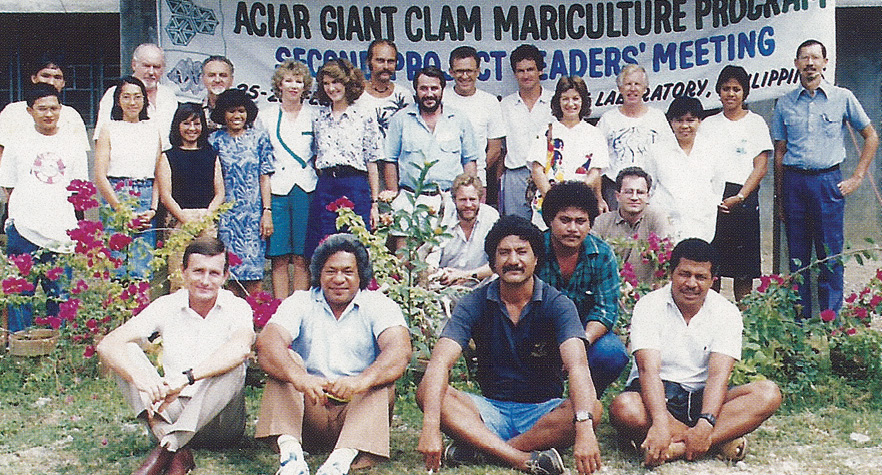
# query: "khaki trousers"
x,y
361,424
216,411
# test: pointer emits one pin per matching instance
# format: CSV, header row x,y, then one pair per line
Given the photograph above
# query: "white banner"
x,y
683,44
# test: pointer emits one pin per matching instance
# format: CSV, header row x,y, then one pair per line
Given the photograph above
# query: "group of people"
x,y
334,349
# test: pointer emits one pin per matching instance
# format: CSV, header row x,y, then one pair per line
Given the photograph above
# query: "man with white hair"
x,y
148,65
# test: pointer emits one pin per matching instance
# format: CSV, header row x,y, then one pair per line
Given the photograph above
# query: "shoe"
x,y
546,462
156,462
734,450
332,469
293,466
456,455
181,463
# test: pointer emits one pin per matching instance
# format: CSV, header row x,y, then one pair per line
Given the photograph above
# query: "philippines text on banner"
x,y
683,44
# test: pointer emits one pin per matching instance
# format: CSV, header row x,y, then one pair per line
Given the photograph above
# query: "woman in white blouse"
x,y
126,155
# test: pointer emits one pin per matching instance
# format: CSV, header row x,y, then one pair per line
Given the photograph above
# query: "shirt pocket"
x,y
450,145
831,126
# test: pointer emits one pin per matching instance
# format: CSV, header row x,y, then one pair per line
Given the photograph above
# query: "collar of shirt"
x,y
672,305
414,111
182,300
319,297
493,290
326,113
822,88
620,219
544,96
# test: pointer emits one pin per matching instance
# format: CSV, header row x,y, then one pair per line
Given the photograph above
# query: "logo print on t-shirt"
x,y
48,168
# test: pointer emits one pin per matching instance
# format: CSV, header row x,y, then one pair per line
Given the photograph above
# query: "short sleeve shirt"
x,y
814,127
524,125
187,338
737,143
352,139
331,347
575,151
69,121
485,114
631,140
522,362
411,143
657,324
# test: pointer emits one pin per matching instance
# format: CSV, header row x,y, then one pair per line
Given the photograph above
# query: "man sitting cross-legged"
x,y
685,340
526,333
337,386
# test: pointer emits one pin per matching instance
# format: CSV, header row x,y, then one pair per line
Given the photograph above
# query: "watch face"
x,y
583,416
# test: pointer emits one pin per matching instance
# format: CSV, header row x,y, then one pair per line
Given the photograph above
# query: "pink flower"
x,y
24,262
851,298
876,300
373,285
879,274
54,322
15,285
828,315
89,352
68,310
118,242
765,281
341,202
54,273
851,331
92,324
628,275
79,287
861,312
233,258
82,195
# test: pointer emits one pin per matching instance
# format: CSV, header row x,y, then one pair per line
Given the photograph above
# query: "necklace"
x,y
374,87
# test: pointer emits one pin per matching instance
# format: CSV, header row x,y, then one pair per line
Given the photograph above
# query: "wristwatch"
x,y
189,374
582,416
710,418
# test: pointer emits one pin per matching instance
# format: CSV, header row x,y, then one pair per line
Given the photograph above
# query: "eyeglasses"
x,y
464,72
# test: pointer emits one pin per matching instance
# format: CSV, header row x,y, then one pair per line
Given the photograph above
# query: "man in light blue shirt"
x,y
809,127
425,132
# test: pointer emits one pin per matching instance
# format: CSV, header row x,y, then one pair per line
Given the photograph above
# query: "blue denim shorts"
x,y
508,419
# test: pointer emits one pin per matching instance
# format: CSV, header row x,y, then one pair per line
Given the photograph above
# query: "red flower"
x,y
233,258
24,262
264,306
82,195
79,287
828,315
373,285
861,312
54,322
68,310
92,324
765,281
341,202
851,298
876,300
14,285
54,273
89,352
118,242
851,331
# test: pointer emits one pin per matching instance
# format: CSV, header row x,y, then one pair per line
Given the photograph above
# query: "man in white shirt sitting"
x,y
461,259
207,334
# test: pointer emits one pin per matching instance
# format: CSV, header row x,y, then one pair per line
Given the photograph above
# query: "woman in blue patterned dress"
x,y
246,156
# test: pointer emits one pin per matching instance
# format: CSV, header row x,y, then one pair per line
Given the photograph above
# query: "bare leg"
x,y
301,273
554,429
280,279
742,287
461,420
630,417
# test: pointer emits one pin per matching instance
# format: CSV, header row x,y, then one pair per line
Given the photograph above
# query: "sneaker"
x,y
546,462
456,455
734,450
293,466
333,468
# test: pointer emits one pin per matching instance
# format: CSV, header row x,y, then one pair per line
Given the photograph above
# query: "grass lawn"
x,y
53,424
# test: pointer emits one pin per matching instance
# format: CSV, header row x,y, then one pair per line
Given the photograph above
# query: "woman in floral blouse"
x,y
348,145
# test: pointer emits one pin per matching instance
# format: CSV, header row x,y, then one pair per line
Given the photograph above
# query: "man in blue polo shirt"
x,y
809,127
584,268
526,333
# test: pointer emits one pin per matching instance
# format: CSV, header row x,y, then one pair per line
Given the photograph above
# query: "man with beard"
x,y
148,65
461,259
425,133
809,128
217,77
526,335
584,268
382,97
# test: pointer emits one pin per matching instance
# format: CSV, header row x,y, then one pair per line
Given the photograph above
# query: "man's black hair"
x,y
566,194
432,72
341,242
206,246
523,52
683,105
511,225
697,250
633,171
35,92
463,52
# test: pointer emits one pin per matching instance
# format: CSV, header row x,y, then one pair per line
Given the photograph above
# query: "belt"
x,y
808,171
436,190
340,171
132,181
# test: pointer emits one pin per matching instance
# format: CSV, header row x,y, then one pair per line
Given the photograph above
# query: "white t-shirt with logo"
x,y
39,168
